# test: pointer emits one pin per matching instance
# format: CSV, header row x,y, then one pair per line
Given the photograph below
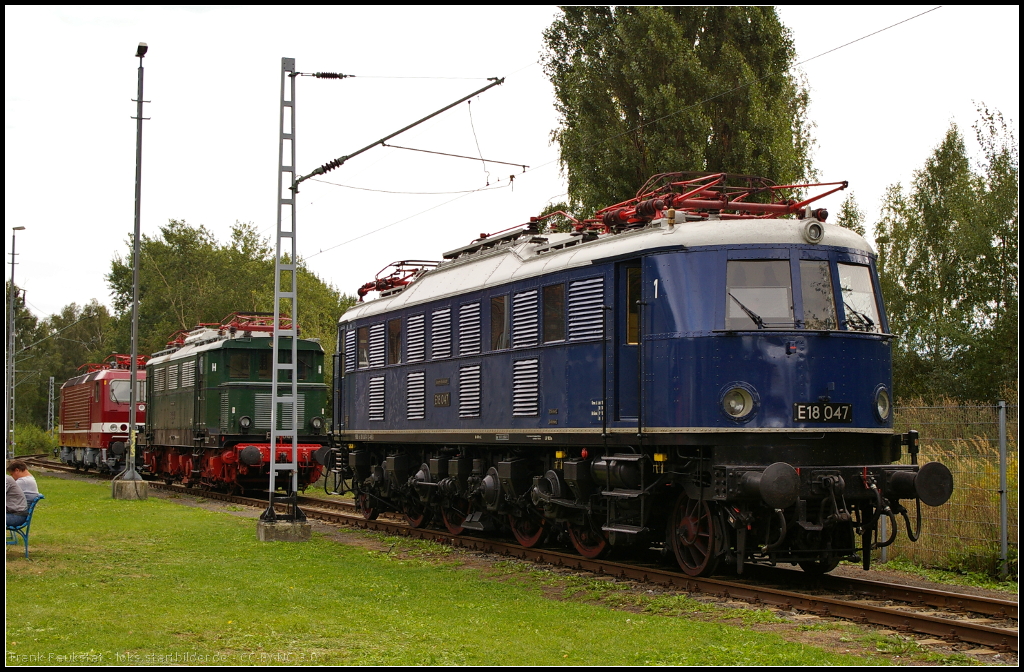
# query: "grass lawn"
x,y
122,582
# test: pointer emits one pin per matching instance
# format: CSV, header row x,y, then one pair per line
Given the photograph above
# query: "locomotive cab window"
x,y
499,323
759,295
816,289
363,340
263,362
120,389
633,288
859,302
305,364
554,313
395,342
238,365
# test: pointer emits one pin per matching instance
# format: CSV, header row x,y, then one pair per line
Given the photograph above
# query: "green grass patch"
x,y
153,582
975,579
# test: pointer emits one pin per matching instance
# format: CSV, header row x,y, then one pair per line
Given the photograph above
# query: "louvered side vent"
x,y
525,319
225,417
172,377
376,399
262,419
469,391
377,345
526,387
159,380
350,350
469,329
441,334
416,343
586,314
285,421
188,373
416,395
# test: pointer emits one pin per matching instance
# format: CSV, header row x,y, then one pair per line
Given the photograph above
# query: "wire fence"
x,y
965,533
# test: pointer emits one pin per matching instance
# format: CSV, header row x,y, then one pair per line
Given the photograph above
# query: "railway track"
x,y
947,615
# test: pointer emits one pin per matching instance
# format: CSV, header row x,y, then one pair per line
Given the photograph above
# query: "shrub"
x,y
33,440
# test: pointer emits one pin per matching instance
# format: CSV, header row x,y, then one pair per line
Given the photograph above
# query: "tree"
x,y
27,371
187,277
57,346
644,90
947,262
850,215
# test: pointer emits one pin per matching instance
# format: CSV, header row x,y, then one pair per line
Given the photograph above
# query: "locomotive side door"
x,y
628,284
199,399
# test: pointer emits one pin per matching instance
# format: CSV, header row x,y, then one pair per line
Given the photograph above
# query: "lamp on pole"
x,y
130,473
12,300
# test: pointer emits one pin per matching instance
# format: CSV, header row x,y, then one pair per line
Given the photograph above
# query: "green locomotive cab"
x,y
210,407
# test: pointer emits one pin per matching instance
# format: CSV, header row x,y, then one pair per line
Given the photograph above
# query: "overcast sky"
x,y
210,150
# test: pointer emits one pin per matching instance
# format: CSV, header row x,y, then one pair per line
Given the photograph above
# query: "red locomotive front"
x,y
94,410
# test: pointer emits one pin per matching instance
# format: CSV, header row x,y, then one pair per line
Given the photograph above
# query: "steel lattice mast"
x,y
285,291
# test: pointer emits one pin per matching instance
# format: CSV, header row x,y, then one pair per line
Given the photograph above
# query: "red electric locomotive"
x,y
94,410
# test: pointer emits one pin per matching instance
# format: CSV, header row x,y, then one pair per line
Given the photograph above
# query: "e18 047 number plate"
x,y
822,412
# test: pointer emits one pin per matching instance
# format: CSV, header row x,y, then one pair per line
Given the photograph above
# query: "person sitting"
x,y
17,506
18,470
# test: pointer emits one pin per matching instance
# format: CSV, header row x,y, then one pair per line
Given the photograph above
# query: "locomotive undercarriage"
x,y
104,460
238,467
686,502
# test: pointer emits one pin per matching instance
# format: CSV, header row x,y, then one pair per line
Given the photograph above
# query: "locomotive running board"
x,y
627,529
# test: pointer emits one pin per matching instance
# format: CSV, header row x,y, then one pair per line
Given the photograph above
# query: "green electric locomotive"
x,y
210,407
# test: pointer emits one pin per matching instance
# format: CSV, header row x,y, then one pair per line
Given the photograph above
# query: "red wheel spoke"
x,y
692,533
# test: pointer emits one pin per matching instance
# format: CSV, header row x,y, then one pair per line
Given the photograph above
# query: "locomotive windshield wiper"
x,y
751,314
860,321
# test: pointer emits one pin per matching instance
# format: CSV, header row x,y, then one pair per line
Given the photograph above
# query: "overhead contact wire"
x,y
388,226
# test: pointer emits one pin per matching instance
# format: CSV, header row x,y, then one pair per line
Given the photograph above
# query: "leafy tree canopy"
x,y
188,277
947,262
56,346
850,215
644,90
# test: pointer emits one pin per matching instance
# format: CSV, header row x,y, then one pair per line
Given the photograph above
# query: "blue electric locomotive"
x,y
706,366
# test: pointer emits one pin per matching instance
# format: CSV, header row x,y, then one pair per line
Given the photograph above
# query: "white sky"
x,y
210,150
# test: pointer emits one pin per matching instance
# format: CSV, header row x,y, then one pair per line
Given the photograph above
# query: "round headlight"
x,y
245,422
814,232
883,406
317,423
737,403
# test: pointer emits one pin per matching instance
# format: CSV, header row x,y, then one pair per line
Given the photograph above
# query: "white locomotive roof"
x,y
201,340
524,260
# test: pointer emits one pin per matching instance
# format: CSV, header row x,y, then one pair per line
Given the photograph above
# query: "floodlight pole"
x,y
130,473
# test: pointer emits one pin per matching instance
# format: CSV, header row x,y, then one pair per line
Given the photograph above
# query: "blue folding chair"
x,y
15,531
